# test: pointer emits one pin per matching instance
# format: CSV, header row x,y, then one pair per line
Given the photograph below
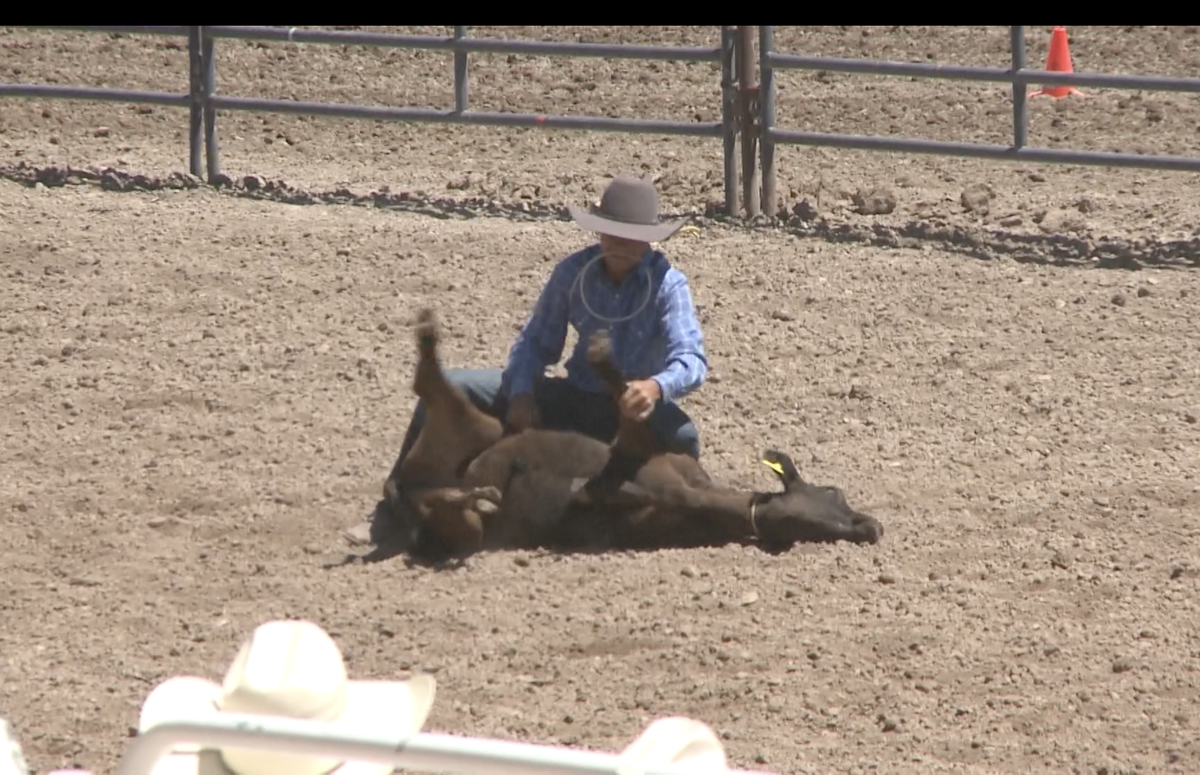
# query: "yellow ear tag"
x,y
774,467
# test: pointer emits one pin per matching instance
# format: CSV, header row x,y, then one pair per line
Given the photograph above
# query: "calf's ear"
x,y
782,465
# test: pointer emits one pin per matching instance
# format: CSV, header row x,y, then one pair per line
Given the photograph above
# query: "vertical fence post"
x,y
209,78
460,74
747,113
729,122
1020,108
766,119
196,108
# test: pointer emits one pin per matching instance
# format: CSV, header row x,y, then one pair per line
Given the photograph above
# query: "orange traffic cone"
x,y
1058,61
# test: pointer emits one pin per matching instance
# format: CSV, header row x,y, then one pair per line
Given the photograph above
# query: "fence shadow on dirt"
x,y
979,242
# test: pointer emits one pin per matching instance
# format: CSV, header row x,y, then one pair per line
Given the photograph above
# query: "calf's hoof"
x,y
487,499
579,493
427,331
359,535
866,530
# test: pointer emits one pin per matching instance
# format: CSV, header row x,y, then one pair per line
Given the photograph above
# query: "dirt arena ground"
x,y
204,387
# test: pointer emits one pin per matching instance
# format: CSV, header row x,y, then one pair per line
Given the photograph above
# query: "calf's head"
x,y
806,512
451,520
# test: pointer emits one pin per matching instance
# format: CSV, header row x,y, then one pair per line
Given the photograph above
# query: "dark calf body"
x,y
429,481
466,487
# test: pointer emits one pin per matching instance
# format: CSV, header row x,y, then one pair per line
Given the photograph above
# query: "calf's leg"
x,y
450,426
480,386
634,438
455,430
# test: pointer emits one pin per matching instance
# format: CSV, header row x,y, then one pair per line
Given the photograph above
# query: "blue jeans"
x,y
562,407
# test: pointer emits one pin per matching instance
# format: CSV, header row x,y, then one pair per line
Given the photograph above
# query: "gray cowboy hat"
x,y
628,209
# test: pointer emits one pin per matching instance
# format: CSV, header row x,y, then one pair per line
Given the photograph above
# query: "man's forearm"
x,y
684,374
686,364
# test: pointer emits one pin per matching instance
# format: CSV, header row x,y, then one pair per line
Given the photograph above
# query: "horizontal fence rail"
x,y
747,107
986,74
95,93
479,45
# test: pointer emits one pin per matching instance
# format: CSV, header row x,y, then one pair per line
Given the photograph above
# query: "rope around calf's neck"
x,y
753,524
583,296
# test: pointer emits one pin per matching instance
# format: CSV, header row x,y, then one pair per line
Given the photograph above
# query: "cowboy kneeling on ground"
x,y
623,284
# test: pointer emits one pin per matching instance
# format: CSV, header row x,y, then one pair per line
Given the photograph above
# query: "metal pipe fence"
x,y
203,99
747,107
461,46
1018,75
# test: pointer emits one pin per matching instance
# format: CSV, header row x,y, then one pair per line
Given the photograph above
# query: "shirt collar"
x,y
635,278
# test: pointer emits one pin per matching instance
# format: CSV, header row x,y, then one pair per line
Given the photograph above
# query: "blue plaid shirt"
x,y
663,341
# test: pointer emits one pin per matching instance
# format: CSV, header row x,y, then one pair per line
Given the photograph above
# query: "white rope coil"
x,y
583,296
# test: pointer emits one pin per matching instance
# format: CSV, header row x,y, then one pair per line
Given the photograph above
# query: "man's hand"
x,y
639,398
523,412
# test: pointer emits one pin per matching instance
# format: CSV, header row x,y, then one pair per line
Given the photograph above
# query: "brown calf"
x,y
470,490
427,485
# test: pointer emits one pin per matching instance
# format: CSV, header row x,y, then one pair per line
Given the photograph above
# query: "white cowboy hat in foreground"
x,y
289,669
675,740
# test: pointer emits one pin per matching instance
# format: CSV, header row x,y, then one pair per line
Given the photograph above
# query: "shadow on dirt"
x,y
398,552
984,243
